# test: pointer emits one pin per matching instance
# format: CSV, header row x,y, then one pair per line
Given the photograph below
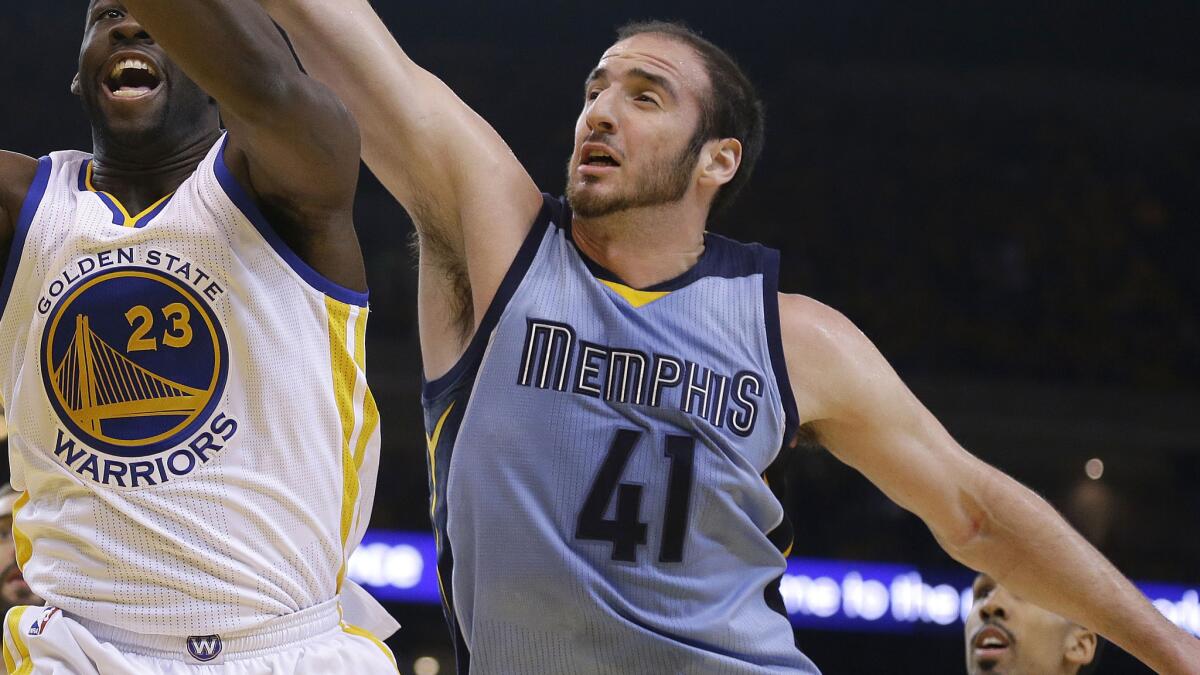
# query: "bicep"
x,y
912,459
303,149
860,410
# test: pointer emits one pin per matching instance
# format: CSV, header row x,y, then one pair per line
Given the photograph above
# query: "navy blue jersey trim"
x,y
432,389
153,213
120,215
29,208
722,257
770,272
249,208
774,599
447,412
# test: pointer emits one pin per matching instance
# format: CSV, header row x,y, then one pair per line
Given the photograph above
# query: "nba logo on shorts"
x,y
204,647
40,625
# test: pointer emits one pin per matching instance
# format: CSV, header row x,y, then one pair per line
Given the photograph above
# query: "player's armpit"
x,y
472,201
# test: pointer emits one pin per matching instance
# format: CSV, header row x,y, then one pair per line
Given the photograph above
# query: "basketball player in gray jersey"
x,y
607,384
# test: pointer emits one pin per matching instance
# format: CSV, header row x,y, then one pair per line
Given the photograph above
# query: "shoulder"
x,y
830,361
811,324
16,175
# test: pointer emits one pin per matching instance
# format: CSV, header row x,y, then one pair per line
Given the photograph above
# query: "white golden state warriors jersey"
x,y
190,422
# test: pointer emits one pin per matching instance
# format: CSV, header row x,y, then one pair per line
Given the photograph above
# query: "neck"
x,y
647,245
140,174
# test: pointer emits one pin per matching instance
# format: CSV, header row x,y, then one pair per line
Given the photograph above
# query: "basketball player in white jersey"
x,y
665,126
181,359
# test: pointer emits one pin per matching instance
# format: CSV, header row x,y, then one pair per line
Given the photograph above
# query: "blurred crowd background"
x,y
1004,196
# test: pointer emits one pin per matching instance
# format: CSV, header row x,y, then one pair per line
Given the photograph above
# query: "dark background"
x,y
1004,196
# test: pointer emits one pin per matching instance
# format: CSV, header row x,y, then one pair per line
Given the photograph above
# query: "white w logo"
x,y
204,647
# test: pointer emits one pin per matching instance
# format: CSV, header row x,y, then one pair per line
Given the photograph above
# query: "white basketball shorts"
x,y
315,641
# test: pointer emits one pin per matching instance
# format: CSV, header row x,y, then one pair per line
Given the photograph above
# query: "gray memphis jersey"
x,y
602,469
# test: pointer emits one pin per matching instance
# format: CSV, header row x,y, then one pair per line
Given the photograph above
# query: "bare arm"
x,y
867,417
290,139
472,201
16,175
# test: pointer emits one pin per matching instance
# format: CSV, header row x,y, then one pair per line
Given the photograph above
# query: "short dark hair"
x,y
732,108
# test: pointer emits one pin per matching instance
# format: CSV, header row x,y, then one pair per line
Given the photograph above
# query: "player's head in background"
x,y
1007,636
13,589
667,117
139,102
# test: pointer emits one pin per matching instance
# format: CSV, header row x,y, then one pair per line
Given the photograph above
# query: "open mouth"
x,y
599,158
991,641
132,78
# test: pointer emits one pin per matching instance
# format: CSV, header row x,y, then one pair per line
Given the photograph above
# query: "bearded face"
x,y
664,180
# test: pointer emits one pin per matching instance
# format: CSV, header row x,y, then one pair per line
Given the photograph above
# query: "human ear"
x,y
720,160
1080,646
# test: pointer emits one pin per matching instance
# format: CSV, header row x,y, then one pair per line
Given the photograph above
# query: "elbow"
x,y
964,534
964,539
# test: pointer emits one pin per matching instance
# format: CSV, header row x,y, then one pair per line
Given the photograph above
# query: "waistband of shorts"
x,y
269,636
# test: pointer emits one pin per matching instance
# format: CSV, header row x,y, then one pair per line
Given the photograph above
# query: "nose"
x,y
601,113
992,606
127,30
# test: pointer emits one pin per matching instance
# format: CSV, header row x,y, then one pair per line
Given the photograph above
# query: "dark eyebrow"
x,y
640,73
655,79
598,73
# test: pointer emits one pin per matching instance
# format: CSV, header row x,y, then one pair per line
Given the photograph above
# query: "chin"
x,y
988,667
125,124
134,128
591,201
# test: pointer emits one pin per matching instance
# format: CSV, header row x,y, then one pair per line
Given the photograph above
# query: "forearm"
x,y
228,47
1026,546
345,46
428,148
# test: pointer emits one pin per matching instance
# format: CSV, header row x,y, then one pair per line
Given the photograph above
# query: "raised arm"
x,y
472,201
291,142
864,414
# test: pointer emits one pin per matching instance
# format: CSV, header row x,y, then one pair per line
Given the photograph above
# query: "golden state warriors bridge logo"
x,y
134,362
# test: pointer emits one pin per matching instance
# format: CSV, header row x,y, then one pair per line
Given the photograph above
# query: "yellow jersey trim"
x,y
370,410
633,296
130,221
431,442
362,633
10,663
23,545
20,663
345,377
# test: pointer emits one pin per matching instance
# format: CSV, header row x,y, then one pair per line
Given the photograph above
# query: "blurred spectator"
x,y
13,589
1008,636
